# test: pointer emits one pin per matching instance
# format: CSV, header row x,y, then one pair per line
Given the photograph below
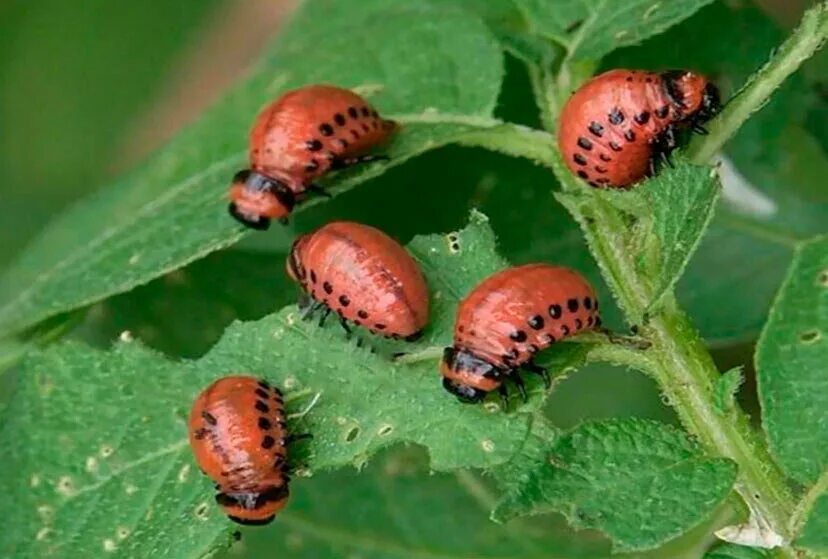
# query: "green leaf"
x,y
99,438
186,311
515,29
732,551
726,388
590,30
639,482
396,509
814,535
393,491
172,210
511,476
790,361
682,200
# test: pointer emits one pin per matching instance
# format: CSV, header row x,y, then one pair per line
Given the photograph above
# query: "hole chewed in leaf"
x,y
352,434
42,534
201,510
453,243
810,337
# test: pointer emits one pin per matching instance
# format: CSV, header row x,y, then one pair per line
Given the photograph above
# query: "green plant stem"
x,y
684,369
678,359
801,45
432,353
515,140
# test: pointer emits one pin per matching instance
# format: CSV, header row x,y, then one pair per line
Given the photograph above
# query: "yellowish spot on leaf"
x,y
303,472
65,486
183,473
42,534
368,89
651,10
491,407
45,512
487,445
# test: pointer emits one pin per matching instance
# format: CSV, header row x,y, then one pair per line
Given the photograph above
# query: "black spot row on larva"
x,y
344,301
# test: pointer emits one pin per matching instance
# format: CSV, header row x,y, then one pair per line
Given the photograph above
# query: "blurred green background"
x,y
88,87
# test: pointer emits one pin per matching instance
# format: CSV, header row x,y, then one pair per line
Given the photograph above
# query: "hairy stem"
x,y
623,352
801,45
678,359
681,365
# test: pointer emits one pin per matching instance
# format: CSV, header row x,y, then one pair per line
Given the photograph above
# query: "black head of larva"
x,y
465,393
711,103
695,98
